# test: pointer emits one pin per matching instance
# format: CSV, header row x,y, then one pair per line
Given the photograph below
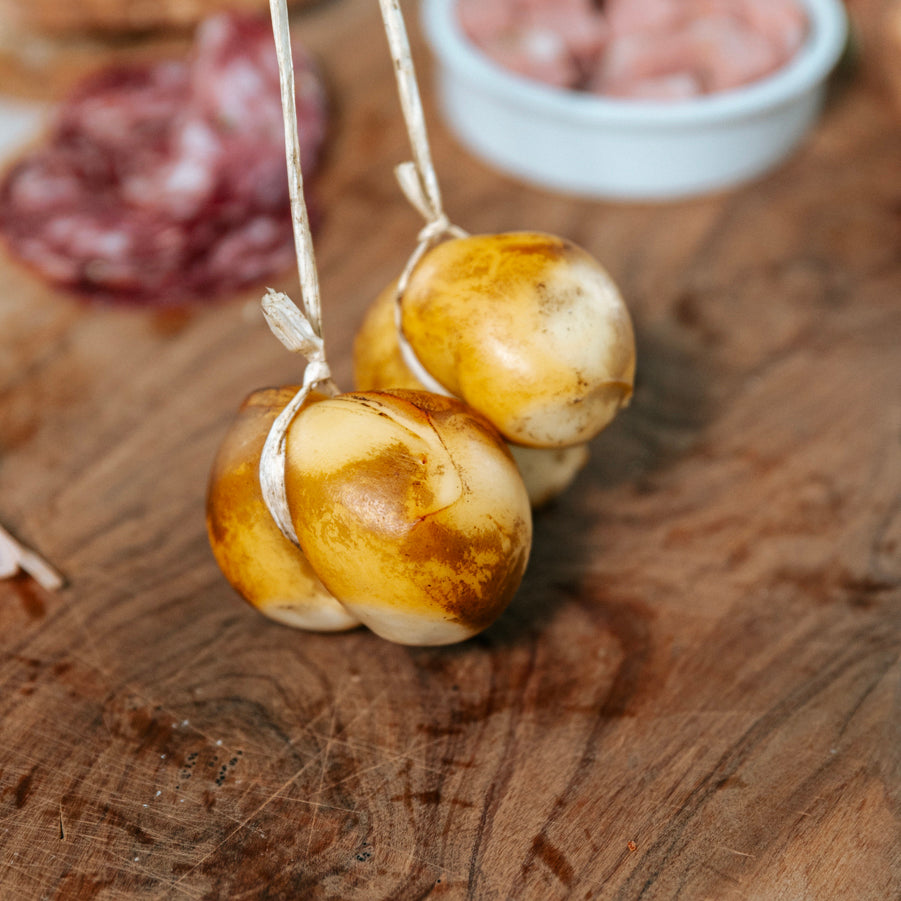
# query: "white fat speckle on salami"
x,y
166,183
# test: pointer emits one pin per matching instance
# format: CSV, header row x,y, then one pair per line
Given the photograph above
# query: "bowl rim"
x,y
820,52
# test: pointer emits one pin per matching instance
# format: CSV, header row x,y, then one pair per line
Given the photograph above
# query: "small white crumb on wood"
x,y
15,556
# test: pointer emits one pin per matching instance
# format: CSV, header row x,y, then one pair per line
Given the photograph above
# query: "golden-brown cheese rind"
x,y
378,361
548,471
379,364
528,329
411,511
262,565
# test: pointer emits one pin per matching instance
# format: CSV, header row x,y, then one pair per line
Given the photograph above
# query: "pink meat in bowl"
x,y
650,49
634,98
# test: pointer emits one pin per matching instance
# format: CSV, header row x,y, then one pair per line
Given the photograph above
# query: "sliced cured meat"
x,y
485,21
166,183
728,53
540,55
650,49
578,23
782,24
712,53
642,16
548,42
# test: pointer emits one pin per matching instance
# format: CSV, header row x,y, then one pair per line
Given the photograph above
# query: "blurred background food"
x,y
62,17
651,100
48,44
653,49
163,182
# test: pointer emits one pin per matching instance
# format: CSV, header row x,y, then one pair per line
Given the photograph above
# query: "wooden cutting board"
x,y
696,692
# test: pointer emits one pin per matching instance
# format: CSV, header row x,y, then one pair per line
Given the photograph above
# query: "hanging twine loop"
x,y
299,330
417,180
296,333
438,226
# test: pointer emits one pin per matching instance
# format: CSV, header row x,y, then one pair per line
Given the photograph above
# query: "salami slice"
x,y
166,183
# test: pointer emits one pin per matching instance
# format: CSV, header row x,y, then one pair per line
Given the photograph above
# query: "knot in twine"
x,y
296,333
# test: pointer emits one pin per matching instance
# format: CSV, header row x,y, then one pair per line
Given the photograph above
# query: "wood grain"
x,y
696,693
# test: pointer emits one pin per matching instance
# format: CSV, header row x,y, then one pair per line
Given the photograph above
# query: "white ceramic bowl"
x,y
630,149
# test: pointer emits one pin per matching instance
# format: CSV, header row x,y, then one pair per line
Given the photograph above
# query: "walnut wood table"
x,y
695,694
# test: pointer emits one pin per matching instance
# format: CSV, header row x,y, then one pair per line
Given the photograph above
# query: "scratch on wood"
x,y
62,827
324,758
739,853
241,825
725,876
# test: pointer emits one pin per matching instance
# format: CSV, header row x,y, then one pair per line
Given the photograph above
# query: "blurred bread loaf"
x,y
47,45
116,16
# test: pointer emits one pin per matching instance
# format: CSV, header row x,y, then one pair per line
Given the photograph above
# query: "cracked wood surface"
x,y
695,694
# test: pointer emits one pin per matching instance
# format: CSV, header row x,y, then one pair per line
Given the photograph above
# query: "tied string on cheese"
x,y
417,180
299,330
397,509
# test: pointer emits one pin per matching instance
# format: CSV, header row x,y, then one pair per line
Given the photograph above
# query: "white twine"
x,y
417,181
15,556
303,241
300,331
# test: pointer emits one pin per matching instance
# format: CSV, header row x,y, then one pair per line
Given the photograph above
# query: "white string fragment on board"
x,y
299,330
417,179
15,556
